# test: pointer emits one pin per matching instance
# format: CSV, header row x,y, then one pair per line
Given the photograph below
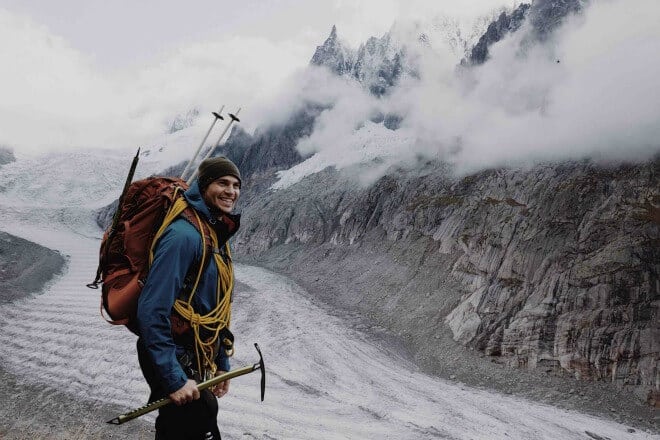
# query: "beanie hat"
x,y
214,168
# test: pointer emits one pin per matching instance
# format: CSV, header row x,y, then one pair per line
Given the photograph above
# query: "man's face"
x,y
223,193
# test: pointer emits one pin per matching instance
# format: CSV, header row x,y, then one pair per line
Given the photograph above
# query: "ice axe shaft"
x,y
127,183
217,116
115,218
233,117
202,386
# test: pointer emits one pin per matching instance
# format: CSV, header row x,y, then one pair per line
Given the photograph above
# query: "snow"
x,y
324,379
371,146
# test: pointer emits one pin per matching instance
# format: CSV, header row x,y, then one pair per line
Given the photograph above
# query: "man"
x,y
172,355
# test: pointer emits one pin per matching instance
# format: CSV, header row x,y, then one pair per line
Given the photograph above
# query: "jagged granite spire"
x,y
496,31
378,64
547,15
334,55
544,17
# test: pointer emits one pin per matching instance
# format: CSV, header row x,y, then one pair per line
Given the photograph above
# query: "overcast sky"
x,y
122,33
88,73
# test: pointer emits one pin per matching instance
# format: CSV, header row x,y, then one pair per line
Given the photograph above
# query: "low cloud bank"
x,y
55,98
588,91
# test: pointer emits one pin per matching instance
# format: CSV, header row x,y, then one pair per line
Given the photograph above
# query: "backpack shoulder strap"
x,y
199,266
179,204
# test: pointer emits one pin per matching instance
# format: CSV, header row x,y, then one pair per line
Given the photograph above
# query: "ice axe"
x,y
115,219
202,386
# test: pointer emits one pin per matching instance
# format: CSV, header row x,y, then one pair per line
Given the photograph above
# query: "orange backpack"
x,y
124,254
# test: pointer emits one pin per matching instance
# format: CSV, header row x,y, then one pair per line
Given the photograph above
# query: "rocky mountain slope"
x,y
25,267
497,30
553,268
543,17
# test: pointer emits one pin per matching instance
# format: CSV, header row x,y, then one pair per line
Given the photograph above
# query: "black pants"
x,y
196,420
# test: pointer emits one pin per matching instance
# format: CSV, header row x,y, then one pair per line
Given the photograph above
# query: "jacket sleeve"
x,y
174,253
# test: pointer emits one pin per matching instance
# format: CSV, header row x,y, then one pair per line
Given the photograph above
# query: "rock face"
x,y
269,150
497,30
555,268
333,55
544,16
183,121
547,15
378,64
273,148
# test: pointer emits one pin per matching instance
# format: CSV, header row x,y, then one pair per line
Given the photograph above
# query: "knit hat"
x,y
214,168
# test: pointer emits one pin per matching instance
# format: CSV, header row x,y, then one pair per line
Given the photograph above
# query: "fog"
x,y
56,98
588,91
113,75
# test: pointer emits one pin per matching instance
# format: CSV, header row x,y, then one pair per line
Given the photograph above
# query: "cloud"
x,y
588,91
54,97
585,93
79,84
519,107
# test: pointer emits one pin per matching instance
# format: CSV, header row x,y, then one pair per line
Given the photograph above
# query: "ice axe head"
x,y
261,367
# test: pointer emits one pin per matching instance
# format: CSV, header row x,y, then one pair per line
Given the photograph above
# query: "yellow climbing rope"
x,y
218,318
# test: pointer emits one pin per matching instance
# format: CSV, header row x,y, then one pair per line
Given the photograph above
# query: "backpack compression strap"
x,y
218,318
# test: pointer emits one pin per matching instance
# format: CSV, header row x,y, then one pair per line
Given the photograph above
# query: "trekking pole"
x,y
217,115
234,117
115,219
202,386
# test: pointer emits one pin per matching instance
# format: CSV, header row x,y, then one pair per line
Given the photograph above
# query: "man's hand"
x,y
186,393
222,388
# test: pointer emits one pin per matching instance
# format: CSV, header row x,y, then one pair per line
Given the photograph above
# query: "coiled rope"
x,y
218,318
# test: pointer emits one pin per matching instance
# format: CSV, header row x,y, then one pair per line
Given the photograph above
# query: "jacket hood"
x,y
194,197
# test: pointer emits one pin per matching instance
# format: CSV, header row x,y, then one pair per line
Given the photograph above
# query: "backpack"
x,y
145,210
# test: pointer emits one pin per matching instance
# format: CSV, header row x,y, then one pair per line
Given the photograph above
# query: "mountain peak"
x,y
333,33
333,54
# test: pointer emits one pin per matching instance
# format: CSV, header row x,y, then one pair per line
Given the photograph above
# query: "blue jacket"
x,y
177,250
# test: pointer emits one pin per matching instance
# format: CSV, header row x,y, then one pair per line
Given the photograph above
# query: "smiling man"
x,y
184,308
